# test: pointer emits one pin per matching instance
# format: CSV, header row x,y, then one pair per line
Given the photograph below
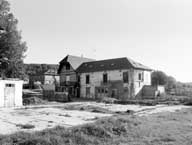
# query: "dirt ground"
x,y
69,114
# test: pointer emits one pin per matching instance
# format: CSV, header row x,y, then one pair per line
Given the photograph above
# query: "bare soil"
x,y
40,117
165,128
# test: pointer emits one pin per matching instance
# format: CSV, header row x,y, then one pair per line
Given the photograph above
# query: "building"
x,y
121,78
11,93
49,77
68,75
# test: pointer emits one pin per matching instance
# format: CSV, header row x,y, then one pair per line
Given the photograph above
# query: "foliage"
x,y
12,48
171,82
33,69
158,78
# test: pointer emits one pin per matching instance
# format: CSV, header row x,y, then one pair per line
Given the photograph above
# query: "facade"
x,y
120,78
49,77
11,93
68,76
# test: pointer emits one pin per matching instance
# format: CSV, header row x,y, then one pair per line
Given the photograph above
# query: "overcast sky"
x,y
157,33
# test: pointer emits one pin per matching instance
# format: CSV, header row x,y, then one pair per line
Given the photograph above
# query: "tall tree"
x,y
12,48
158,78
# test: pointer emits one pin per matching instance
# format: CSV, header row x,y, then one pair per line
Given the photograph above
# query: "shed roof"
x,y
110,64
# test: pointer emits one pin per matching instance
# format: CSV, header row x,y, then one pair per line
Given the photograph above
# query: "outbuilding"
x,y
11,93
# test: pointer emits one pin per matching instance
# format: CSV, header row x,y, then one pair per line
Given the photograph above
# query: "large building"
x,y
68,74
120,78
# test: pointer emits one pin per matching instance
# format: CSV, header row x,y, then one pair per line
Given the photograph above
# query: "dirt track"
x,y
48,116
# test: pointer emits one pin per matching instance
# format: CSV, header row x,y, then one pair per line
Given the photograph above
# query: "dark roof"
x,y
110,64
74,61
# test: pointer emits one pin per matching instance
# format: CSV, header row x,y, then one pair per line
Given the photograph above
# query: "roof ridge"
x,y
111,64
106,59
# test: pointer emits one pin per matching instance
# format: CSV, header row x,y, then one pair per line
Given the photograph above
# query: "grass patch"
x,y
162,129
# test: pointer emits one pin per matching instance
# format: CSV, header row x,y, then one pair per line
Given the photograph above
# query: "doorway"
x,y
9,96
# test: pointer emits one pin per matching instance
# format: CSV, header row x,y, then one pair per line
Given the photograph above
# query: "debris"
x,y
25,126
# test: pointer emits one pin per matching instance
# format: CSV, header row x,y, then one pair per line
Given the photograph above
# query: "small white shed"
x,y
11,93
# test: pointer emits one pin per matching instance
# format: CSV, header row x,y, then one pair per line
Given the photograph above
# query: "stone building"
x,y
68,76
121,78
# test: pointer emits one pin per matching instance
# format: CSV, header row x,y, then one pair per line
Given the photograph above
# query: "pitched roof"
x,y
110,64
74,61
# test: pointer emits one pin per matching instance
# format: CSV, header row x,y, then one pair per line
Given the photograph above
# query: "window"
x,y
102,90
68,67
10,85
114,93
105,79
98,90
78,79
67,78
125,77
140,76
87,79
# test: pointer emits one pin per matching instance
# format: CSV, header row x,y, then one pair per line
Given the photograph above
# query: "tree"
x,y
158,78
171,82
12,48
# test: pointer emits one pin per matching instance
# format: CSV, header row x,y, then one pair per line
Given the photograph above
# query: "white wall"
x,y
138,84
18,92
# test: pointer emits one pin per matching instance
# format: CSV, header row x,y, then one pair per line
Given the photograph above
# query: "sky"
x,y
156,33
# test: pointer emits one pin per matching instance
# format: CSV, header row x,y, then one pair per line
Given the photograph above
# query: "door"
x,y
9,100
88,92
103,92
78,92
